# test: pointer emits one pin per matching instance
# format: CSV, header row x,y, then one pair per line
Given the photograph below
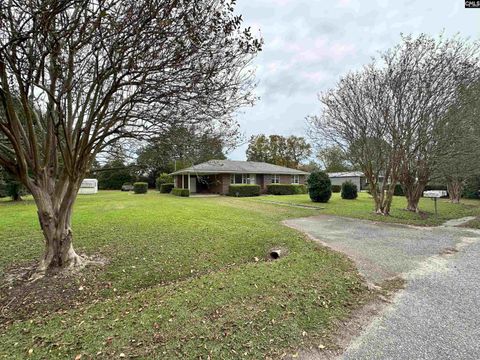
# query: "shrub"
x,y
336,188
164,178
319,186
301,189
286,189
243,190
398,191
349,190
180,192
140,187
166,188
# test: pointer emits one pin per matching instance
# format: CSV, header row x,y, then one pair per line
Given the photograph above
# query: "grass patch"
x,y
188,278
363,208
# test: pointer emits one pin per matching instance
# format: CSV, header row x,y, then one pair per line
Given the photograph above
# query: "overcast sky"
x,y
309,44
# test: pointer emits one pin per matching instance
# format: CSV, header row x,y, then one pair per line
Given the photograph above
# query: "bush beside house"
x,y
243,190
166,188
180,192
319,186
286,189
349,190
140,187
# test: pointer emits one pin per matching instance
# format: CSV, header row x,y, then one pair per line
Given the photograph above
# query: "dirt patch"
x,y
21,298
345,331
449,251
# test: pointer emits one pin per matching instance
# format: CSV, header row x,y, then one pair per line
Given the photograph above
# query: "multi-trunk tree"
x,y
88,73
386,116
458,149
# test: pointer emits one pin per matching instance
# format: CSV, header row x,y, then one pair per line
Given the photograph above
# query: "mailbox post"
x,y
434,195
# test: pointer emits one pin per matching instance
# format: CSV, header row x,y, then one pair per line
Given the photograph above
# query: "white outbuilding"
x,y
88,186
356,177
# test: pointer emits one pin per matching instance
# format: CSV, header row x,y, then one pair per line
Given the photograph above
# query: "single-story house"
x,y
215,176
356,177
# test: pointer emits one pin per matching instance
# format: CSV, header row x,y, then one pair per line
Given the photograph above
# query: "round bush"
x,y
349,190
140,187
319,187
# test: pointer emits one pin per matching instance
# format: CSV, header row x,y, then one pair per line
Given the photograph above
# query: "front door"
x,y
193,184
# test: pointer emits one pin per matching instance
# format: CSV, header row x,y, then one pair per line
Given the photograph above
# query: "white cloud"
x,y
310,44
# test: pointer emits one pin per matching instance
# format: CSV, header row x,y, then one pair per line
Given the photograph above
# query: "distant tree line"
x,y
175,149
288,151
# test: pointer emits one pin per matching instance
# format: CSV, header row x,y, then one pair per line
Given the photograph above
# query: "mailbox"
x,y
435,193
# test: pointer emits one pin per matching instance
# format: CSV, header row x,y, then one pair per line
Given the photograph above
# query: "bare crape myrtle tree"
x,y
386,116
79,75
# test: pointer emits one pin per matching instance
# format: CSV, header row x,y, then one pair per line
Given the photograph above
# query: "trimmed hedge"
x,y
349,190
286,189
166,188
336,188
319,186
164,178
243,190
180,192
140,187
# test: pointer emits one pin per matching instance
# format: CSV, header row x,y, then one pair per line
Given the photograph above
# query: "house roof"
x,y
346,174
238,167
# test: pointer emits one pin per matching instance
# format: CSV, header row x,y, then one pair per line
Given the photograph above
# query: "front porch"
x,y
202,183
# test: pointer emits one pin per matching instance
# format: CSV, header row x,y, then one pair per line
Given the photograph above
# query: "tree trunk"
x,y
16,197
455,188
382,198
413,193
55,215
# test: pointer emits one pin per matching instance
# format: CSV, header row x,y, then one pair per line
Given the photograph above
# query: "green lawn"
x,y
363,208
187,278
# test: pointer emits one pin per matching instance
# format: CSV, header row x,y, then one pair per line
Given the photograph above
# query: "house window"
x,y
295,179
240,179
275,179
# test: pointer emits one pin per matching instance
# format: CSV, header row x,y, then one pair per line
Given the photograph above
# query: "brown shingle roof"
x,y
238,167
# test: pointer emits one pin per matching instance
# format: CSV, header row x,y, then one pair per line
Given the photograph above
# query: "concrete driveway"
x,y
437,315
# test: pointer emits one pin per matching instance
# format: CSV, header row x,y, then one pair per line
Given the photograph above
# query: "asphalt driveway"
x,y
437,315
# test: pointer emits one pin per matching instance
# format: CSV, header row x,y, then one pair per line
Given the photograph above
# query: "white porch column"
x,y
188,181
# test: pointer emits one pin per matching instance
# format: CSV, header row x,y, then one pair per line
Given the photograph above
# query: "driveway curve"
x,y
437,315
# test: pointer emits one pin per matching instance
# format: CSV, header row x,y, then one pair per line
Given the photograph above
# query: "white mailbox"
x,y
88,186
434,193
